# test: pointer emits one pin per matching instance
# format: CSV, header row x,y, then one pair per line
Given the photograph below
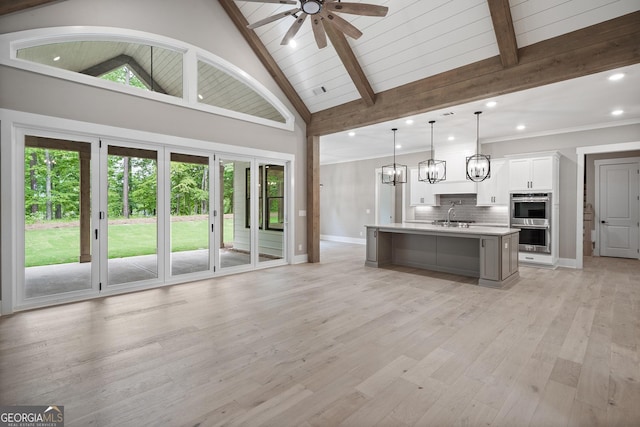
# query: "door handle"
x,y
604,222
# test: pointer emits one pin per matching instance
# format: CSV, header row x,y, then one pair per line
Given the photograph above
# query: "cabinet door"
x,y
542,173
490,256
519,174
501,196
494,190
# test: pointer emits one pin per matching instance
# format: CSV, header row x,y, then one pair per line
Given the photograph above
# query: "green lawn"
x,y
61,245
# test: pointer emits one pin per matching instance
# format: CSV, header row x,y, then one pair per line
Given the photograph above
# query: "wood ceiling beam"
x,y
505,34
348,58
611,44
265,57
10,6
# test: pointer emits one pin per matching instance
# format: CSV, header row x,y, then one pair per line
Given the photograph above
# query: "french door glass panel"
x,y
189,213
57,216
234,193
132,206
271,186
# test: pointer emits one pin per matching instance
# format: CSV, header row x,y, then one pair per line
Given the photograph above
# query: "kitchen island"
x,y
488,253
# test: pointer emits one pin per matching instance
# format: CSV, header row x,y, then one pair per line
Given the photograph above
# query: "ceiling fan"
x,y
322,12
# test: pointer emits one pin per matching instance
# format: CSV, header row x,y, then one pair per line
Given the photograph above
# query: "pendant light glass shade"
x,y
478,165
432,170
394,173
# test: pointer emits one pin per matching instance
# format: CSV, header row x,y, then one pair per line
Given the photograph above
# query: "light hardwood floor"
x,y
337,343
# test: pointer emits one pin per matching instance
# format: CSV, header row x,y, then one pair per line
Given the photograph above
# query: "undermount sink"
x,y
453,223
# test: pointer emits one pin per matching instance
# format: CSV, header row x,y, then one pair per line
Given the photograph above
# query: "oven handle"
x,y
530,199
531,226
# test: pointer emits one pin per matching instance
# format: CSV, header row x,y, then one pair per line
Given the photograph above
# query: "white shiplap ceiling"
x,y
419,39
416,39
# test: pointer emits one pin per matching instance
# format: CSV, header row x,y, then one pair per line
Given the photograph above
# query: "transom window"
x,y
139,65
147,65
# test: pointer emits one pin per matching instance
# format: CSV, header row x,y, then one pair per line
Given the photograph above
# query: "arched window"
x,y
145,65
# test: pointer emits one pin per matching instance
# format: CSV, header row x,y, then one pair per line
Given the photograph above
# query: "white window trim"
x,y
10,43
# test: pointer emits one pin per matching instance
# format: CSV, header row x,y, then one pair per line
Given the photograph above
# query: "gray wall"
x,y
202,23
343,209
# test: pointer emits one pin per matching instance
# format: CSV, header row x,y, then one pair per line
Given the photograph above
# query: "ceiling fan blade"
x,y
358,9
294,29
318,32
272,1
272,18
341,24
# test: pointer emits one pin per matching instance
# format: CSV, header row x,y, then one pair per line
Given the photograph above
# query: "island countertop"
x,y
472,230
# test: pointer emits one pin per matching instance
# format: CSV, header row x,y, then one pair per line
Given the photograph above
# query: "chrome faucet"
x,y
451,211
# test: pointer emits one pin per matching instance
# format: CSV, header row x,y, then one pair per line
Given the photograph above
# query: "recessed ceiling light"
x,y
398,146
293,44
491,104
200,97
617,112
451,138
57,58
521,127
352,133
409,122
616,76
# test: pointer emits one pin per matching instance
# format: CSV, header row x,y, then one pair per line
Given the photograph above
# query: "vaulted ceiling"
x,y
428,55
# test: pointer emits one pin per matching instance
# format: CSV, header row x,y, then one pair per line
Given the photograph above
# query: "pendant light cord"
x,y
477,113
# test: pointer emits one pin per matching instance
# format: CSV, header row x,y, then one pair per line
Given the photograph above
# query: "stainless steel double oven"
x,y
531,213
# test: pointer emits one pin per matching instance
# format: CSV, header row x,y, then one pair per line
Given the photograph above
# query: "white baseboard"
x,y
300,259
343,239
567,263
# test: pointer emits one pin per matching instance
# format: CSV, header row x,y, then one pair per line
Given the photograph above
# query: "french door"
x,y
58,214
130,215
103,216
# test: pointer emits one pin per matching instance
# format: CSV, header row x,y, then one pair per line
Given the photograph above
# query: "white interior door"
x,y
618,208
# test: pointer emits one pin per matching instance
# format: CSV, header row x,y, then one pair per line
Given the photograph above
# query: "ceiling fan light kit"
x,y
323,13
310,7
478,165
394,173
431,170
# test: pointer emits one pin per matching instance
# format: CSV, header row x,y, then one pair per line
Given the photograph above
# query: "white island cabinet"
x,y
488,253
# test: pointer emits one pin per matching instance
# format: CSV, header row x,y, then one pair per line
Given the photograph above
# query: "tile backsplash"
x,y
465,210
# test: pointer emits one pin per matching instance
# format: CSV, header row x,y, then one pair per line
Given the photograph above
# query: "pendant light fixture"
x,y
394,173
432,170
478,165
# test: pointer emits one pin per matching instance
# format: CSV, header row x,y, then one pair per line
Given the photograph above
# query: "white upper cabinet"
x,y
494,191
421,193
533,173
